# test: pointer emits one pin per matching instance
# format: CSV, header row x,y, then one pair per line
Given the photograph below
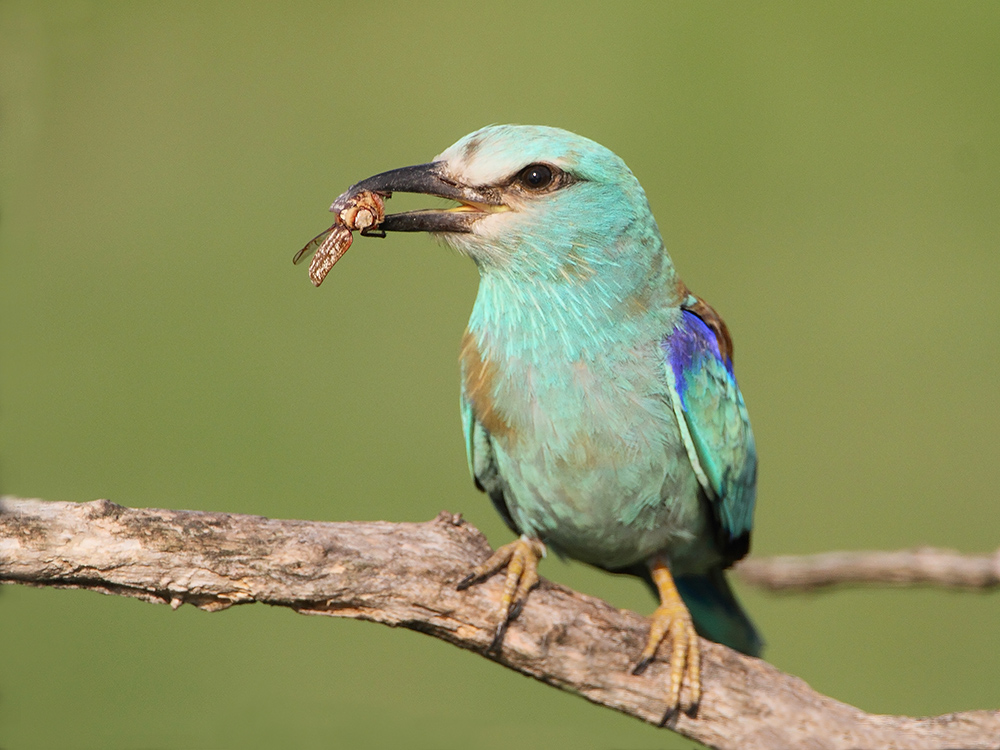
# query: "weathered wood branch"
x,y
918,567
404,575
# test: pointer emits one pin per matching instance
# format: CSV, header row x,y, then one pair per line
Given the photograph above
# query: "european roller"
x,y
600,409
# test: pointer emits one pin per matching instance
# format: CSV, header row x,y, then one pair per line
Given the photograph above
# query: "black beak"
x,y
426,179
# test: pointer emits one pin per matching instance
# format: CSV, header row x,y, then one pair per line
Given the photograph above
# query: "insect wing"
x,y
333,249
311,246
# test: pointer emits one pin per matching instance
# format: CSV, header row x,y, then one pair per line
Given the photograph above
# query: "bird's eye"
x,y
536,177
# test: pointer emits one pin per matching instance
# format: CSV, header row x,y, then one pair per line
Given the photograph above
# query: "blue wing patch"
x,y
711,409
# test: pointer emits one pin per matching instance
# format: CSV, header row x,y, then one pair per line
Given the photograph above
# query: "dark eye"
x,y
536,177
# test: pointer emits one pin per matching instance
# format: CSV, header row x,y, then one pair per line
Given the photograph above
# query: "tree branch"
x,y
925,566
404,575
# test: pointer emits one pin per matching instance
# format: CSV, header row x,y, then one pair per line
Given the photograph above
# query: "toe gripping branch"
x,y
520,557
673,621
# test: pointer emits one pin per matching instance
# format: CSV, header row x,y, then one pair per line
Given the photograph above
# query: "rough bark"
x,y
918,567
404,575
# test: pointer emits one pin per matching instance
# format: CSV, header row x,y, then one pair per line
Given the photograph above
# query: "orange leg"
x,y
672,620
520,557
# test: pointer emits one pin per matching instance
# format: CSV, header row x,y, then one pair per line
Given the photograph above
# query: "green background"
x,y
826,175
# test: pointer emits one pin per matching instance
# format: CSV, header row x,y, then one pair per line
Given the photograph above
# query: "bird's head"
x,y
534,202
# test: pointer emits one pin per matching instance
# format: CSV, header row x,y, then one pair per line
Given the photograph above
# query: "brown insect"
x,y
364,212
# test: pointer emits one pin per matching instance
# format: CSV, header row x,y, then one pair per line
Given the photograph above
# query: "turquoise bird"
x,y
600,409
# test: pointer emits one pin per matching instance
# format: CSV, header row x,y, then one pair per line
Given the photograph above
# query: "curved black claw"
x,y
643,663
515,611
498,636
502,626
670,717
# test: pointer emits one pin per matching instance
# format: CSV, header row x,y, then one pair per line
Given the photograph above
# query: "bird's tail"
x,y
716,613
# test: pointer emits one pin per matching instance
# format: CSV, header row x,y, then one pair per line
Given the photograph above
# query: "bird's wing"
x,y
713,420
483,463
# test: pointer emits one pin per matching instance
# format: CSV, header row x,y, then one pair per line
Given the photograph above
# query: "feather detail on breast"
x,y
479,376
477,404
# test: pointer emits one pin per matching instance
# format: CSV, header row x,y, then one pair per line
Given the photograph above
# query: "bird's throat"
x,y
544,320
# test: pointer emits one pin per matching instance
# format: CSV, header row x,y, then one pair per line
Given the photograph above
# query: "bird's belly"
x,y
605,521
602,475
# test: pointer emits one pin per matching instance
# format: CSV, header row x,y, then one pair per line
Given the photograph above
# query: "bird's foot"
x,y
672,621
520,557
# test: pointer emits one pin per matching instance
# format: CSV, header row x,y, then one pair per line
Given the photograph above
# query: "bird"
x,y
599,404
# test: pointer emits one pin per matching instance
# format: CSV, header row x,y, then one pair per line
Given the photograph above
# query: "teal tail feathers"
x,y
716,613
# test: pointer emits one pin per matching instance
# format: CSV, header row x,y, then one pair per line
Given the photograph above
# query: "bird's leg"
x,y
672,619
520,557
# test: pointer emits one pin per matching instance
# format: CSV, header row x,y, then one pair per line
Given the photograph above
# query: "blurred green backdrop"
x,y
827,175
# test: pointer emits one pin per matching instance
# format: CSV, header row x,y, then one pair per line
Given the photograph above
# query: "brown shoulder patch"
x,y
711,318
479,379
